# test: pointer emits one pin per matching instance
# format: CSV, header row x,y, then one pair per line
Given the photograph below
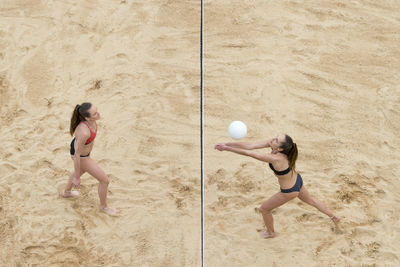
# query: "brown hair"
x,y
80,113
290,150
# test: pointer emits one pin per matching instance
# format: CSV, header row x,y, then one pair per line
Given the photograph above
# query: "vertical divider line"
x,y
202,130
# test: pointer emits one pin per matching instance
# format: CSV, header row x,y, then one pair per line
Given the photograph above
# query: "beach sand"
x,y
138,62
324,72
327,74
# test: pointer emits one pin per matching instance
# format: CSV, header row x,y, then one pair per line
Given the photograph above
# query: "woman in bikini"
x,y
84,127
282,160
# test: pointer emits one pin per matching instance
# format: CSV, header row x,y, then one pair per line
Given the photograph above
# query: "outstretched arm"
x,y
249,146
244,152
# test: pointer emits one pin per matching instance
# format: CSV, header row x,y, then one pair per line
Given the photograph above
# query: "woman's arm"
x,y
262,157
250,146
77,155
80,137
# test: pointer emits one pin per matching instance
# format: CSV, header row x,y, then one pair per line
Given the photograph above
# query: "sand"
x,y
138,62
327,74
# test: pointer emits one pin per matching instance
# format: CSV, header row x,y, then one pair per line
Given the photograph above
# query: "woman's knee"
x,y
105,180
313,202
264,209
310,201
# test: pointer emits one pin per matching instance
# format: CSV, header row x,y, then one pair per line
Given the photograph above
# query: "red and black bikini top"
x,y
92,134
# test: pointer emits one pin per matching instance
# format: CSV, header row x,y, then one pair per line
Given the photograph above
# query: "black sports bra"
x,y
279,172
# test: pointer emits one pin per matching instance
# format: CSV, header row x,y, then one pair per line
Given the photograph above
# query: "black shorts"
x,y
72,149
297,186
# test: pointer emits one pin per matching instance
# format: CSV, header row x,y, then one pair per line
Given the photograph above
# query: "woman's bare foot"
x,y
266,234
109,211
68,194
335,219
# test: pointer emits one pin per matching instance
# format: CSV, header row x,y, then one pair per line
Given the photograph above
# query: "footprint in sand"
x,y
7,168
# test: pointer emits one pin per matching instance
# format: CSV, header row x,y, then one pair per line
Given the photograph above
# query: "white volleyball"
x,y
237,130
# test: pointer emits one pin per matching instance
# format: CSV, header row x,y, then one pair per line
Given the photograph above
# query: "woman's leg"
x,y
306,197
67,191
91,167
273,202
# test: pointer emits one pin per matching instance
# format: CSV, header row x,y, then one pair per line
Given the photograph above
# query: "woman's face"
x,y
94,114
276,142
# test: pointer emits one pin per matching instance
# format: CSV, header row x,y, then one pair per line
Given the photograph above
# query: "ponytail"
x,y
290,150
78,115
292,157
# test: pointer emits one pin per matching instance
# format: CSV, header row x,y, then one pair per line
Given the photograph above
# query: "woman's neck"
x,y
91,123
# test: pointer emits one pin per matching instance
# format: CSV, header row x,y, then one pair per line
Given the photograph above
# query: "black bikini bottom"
x,y
297,186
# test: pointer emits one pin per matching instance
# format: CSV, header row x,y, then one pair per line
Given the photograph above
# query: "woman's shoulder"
x,y
82,130
281,159
278,156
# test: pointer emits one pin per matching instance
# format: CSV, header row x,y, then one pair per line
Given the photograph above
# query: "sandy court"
x,y
138,62
326,73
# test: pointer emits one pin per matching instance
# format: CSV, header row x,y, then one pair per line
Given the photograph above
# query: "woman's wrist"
x,y
236,145
269,143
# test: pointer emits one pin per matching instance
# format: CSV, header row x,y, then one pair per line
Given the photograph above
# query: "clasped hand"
x,y
220,146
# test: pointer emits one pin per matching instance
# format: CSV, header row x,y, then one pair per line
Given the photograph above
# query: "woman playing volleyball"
x,y
84,127
282,160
